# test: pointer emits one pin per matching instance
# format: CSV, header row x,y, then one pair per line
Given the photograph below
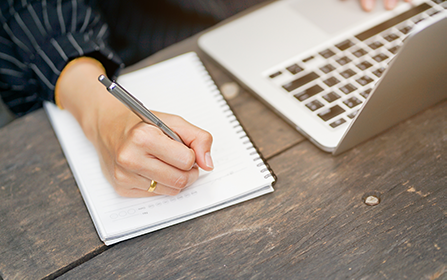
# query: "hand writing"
x,y
132,153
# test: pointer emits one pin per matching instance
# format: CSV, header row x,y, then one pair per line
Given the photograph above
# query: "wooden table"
x,y
314,226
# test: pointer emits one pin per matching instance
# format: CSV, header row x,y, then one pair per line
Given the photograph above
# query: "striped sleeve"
x,y
37,39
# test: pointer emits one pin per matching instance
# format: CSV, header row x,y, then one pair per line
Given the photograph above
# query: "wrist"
x,y
79,91
84,60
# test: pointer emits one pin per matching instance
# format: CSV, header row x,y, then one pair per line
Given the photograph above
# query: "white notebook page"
x,y
178,86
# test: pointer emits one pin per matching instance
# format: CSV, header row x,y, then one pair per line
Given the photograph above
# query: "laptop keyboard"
x,y
334,83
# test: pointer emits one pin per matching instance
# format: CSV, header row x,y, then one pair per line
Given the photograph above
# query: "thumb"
x,y
197,139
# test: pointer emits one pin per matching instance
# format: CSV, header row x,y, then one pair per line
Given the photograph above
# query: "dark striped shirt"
x,y
39,37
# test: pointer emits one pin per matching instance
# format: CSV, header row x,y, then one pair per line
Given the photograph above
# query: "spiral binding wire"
x,y
256,154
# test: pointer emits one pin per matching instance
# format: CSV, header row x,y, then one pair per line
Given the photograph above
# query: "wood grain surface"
x,y
45,229
44,224
314,226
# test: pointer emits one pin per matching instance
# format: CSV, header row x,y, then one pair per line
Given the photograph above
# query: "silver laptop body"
x,y
337,74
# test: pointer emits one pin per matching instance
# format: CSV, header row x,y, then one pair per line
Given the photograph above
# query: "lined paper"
x,y
183,87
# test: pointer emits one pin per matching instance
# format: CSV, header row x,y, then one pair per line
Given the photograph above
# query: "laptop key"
x,y
314,105
352,102
294,69
343,60
300,81
417,20
331,97
353,114
347,89
432,13
345,45
394,49
331,113
308,93
391,37
364,65
359,52
327,68
379,72
327,53
405,30
364,80
308,59
375,45
366,93
276,74
332,81
380,57
348,73
337,123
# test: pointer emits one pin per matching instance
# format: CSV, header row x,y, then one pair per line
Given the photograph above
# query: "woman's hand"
x,y
132,153
368,5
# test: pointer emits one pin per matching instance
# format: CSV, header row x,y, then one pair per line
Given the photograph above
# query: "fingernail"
x,y
368,5
209,161
390,4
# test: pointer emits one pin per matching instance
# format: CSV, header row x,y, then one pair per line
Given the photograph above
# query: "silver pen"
x,y
136,106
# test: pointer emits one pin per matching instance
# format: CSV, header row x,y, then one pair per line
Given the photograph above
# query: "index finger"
x,y
197,139
153,142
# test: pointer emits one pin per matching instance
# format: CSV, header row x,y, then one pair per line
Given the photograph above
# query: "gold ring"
x,y
153,186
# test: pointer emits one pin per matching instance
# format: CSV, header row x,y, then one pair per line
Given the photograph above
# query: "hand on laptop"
x,y
368,5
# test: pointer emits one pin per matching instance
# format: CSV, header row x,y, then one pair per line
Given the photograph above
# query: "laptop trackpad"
x,y
336,16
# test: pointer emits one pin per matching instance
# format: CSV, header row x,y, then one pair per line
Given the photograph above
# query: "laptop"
x,y
337,74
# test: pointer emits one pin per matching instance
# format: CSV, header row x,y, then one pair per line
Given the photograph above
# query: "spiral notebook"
x,y
180,86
